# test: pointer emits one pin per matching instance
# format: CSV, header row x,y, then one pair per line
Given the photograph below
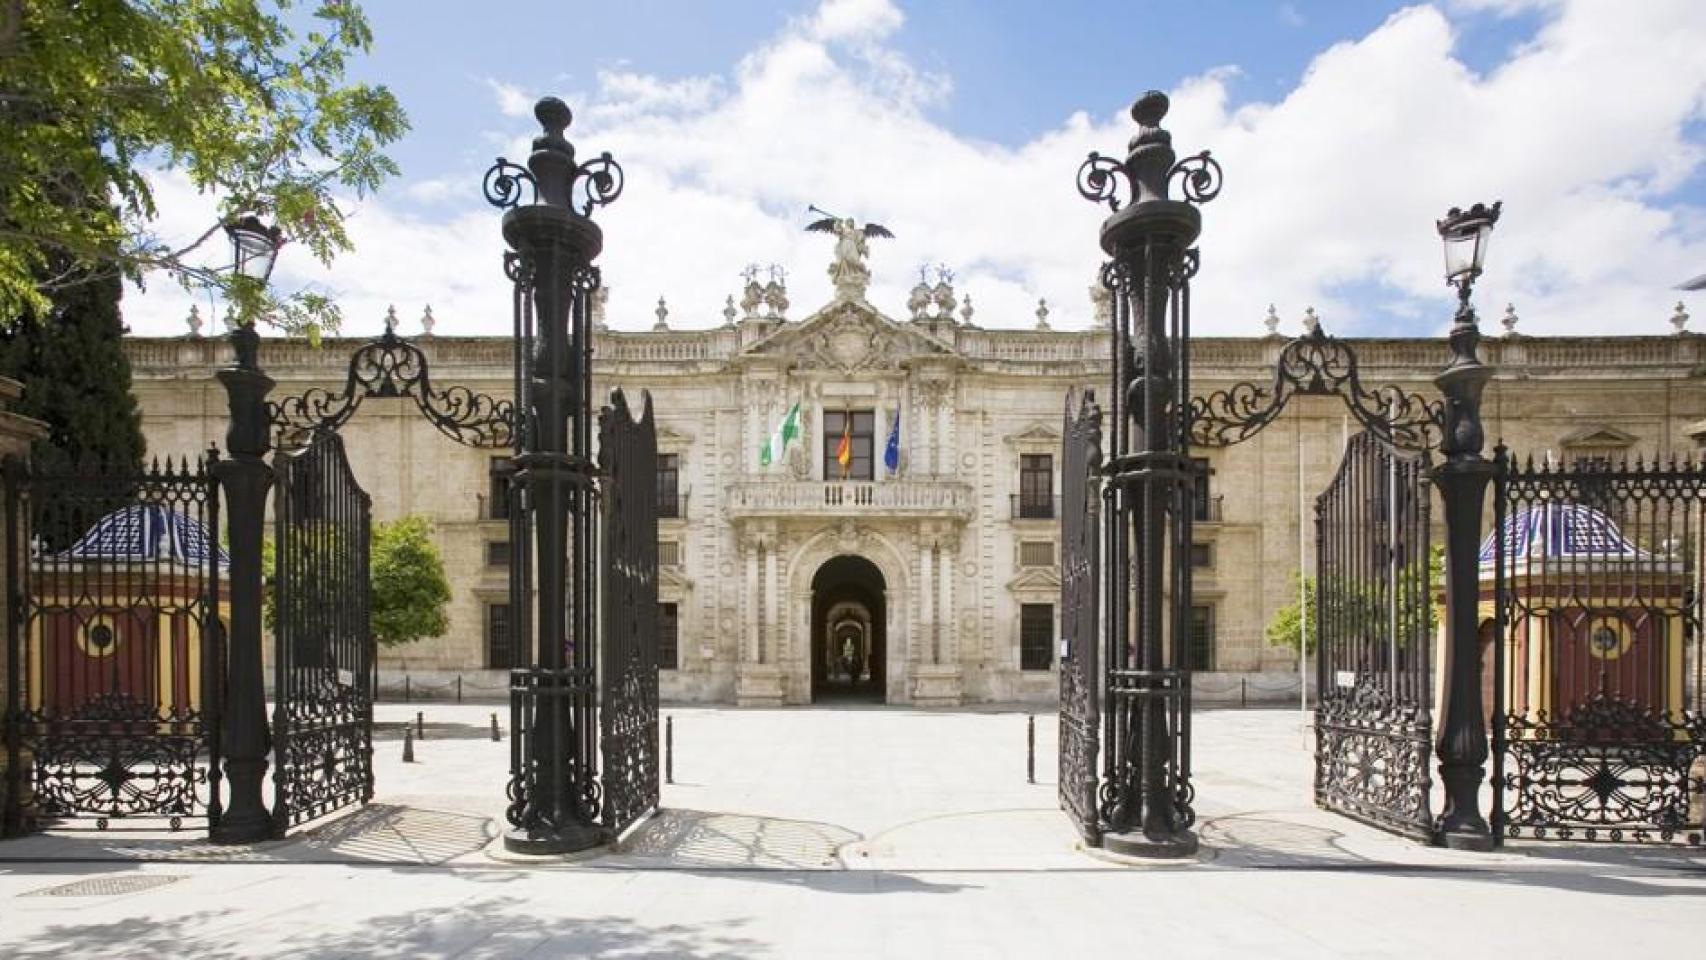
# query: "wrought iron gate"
x,y
628,711
323,653
1599,726
113,654
1374,623
1080,568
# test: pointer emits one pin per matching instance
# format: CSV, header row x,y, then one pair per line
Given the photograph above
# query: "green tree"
x,y
76,377
410,590
96,94
405,572
1353,600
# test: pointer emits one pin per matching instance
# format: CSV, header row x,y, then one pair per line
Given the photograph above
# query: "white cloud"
x,y
513,101
1330,198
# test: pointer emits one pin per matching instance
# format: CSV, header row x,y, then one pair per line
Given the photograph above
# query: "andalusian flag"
x,y
844,453
777,445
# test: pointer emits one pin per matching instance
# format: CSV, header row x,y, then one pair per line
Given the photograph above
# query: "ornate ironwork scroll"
x,y
1080,572
391,367
1374,622
324,648
1316,365
628,713
1599,731
114,657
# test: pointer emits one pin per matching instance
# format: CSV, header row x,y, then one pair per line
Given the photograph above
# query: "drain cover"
x,y
107,886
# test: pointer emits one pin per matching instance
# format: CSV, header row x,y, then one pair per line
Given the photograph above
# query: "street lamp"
x,y
254,247
1465,234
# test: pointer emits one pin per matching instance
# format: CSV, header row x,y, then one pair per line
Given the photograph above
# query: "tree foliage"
x,y
410,590
1350,600
405,572
76,378
96,94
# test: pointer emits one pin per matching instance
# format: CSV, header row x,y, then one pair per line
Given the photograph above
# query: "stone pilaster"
x,y
16,433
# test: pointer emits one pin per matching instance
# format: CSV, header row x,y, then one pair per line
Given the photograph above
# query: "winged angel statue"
x,y
848,271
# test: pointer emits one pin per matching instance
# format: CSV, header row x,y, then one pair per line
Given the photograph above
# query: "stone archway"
x,y
848,649
893,617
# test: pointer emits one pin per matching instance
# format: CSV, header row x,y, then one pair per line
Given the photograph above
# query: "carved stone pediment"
x,y
1597,437
1035,580
671,582
669,439
1036,435
847,337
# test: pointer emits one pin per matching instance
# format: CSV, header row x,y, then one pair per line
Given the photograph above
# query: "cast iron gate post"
x,y
245,477
1462,481
554,788
1147,767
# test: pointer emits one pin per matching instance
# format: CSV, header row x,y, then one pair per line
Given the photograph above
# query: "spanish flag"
x,y
844,453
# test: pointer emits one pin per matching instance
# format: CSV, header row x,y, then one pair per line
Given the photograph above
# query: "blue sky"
x,y
1345,127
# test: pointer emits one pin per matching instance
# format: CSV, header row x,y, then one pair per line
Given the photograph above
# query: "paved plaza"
x,y
835,832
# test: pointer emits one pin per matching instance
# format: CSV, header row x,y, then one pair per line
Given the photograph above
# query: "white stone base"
x,y
758,685
936,685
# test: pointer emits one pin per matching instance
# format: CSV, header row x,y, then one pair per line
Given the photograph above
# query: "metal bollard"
x,y
420,725
459,688
405,688
495,735
408,745
1243,692
668,749
1030,748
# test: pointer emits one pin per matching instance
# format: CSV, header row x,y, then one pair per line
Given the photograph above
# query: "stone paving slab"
x,y
837,833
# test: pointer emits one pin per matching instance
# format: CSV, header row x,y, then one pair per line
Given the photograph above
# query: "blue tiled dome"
x,y
1560,531
143,533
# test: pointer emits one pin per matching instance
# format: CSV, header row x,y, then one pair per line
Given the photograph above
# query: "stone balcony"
x,y
941,499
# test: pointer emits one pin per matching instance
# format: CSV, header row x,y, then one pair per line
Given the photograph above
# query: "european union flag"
x,y
891,453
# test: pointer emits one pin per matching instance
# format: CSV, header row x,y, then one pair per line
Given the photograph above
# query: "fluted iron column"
x,y
245,477
1149,472
554,788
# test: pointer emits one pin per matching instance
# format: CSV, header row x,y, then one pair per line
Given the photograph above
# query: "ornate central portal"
x,y
848,631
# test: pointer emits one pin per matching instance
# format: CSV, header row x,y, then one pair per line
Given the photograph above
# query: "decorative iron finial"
x,y
1042,314
1679,319
552,174
729,312
662,313
1149,166
1272,321
1508,321
1311,323
427,321
194,320
391,320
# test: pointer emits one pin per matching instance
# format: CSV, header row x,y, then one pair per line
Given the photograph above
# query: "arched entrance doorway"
x,y
849,656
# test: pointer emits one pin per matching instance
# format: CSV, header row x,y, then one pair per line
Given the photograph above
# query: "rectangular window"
x,y
1036,486
500,474
1202,638
668,632
1036,553
1204,507
1202,555
669,481
669,553
497,553
498,654
1036,636
858,427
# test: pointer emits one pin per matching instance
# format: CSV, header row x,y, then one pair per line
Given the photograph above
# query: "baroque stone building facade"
x,y
934,582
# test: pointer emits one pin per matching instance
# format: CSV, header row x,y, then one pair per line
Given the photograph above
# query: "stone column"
x,y
16,433
758,677
752,547
928,652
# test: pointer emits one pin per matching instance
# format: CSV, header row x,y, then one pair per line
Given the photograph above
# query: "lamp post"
x,y
553,787
245,477
1462,482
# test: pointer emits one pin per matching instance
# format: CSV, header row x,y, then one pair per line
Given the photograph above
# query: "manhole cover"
x,y
107,886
